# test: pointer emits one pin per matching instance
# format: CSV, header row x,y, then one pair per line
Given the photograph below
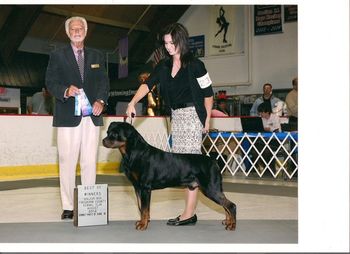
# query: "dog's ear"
x,y
124,131
116,131
112,125
129,130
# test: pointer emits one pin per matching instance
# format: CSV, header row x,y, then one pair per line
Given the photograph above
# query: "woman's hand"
x,y
140,93
206,127
130,110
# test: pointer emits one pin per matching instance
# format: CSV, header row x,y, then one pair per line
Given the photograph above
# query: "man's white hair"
x,y
83,20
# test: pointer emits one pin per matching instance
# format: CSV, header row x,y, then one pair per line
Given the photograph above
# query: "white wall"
x,y
28,145
31,140
274,57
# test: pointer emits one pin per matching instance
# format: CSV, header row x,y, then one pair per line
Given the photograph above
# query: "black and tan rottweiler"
x,y
149,168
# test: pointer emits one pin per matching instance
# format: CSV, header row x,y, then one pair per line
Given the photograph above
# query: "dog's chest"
x,y
133,176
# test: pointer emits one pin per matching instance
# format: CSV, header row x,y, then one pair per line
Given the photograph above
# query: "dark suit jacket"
x,y
62,71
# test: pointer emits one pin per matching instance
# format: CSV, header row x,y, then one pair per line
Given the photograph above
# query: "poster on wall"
x,y
290,13
226,30
267,19
196,45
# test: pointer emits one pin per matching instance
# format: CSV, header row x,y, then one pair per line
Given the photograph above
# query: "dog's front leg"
x,y
145,198
138,193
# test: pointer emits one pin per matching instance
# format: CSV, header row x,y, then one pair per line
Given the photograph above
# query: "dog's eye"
x,y
116,136
112,135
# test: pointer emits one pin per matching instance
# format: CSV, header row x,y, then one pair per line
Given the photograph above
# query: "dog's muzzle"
x,y
112,144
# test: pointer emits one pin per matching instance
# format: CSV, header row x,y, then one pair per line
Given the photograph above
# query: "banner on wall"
x,y
226,30
196,45
267,19
290,13
123,58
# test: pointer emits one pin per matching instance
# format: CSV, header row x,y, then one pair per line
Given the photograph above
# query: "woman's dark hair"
x,y
264,108
179,35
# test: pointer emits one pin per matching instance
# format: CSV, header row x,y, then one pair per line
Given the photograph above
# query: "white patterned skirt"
x,y
186,129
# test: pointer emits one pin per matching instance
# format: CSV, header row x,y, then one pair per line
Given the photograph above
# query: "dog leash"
x,y
132,117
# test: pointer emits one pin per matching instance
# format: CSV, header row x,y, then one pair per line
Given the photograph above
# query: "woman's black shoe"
x,y
178,222
67,215
174,220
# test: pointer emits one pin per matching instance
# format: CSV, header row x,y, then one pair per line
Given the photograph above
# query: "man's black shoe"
x,y
67,215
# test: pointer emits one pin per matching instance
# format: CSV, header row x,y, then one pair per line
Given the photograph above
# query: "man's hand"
x,y
72,90
97,108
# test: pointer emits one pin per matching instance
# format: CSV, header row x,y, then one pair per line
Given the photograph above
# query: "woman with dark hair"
x,y
222,106
186,88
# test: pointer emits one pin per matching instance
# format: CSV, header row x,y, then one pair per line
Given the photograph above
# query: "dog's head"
x,y
118,134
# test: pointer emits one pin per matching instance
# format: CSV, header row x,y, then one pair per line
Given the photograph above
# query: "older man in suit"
x,y
71,69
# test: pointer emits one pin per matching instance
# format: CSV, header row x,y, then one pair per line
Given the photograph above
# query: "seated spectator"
x,y
270,120
41,103
266,97
292,99
221,108
292,105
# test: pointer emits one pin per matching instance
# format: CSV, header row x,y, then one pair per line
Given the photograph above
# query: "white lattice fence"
x,y
261,153
159,140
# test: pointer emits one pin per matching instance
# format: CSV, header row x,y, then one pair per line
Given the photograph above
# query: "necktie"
x,y
81,63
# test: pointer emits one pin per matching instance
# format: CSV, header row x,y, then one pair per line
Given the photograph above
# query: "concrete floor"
x,y
267,214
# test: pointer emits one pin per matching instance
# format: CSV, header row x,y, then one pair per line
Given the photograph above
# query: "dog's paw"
x,y
230,226
229,223
141,225
224,222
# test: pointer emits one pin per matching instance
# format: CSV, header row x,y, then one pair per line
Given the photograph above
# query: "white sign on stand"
x,y
91,205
